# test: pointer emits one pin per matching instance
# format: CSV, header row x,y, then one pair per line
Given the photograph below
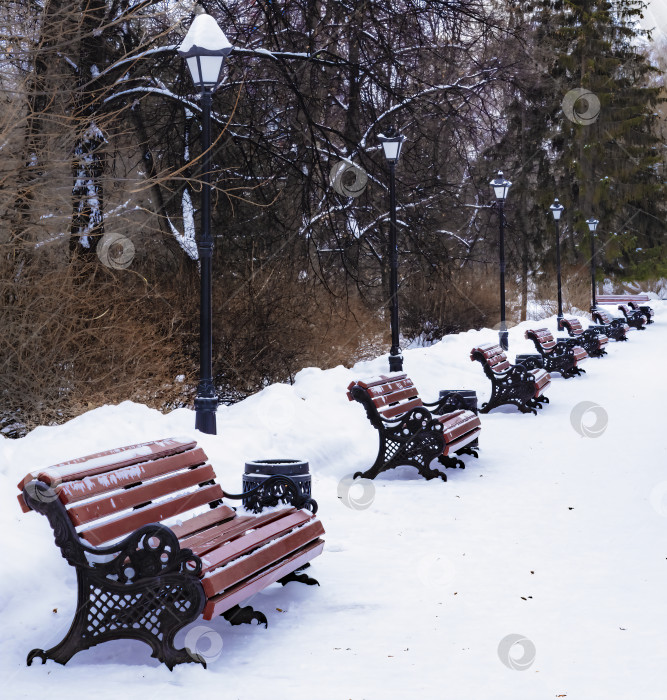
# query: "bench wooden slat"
x,y
394,397
501,366
237,594
579,354
397,410
620,298
202,521
107,461
74,491
118,501
461,442
489,350
574,326
458,423
391,386
225,532
542,380
221,579
543,337
384,386
252,539
382,379
495,357
156,513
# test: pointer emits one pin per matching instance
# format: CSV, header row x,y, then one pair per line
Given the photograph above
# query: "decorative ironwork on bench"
x,y
414,433
139,578
516,385
589,339
637,302
144,587
557,357
635,318
612,327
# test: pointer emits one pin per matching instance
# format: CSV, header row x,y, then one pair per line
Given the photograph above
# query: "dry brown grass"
x,y
76,337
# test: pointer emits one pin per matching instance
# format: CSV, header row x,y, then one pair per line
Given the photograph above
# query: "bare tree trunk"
x,y
88,161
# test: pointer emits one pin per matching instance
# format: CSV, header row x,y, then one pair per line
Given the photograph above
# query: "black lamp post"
x,y
557,209
205,48
500,188
592,225
392,150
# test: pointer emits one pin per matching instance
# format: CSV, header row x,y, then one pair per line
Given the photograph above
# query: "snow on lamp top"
x,y
556,209
500,186
205,48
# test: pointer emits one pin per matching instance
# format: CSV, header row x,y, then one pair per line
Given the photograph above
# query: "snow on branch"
x,y
458,85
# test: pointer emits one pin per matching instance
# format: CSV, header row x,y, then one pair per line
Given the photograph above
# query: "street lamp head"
x,y
500,186
392,143
557,209
592,224
204,49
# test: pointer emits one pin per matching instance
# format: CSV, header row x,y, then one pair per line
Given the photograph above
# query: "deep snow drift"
x,y
556,535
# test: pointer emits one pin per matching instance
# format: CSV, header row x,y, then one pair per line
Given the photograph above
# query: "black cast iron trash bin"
x,y
294,488
467,398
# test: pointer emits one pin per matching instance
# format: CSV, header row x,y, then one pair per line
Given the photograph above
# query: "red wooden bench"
x,y
636,302
155,547
412,432
612,326
589,339
511,384
557,357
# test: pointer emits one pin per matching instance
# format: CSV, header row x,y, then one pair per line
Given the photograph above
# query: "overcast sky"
x,y
656,16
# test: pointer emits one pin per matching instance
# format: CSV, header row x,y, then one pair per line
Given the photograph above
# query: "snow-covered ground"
x,y
555,535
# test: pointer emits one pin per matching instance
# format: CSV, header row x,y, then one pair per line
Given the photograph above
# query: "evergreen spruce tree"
x,y
608,156
581,124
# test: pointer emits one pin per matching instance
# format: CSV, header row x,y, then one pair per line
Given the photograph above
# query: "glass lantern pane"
x,y
391,149
210,69
194,69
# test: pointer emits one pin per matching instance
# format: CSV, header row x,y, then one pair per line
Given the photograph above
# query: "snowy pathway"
x,y
551,536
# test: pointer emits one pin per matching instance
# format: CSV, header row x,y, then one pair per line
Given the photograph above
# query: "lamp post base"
x,y
395,363
205,409
559,323
504,340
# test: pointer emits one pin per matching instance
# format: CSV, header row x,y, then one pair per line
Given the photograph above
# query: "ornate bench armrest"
x,y
147,552
271,491
447,404
570,343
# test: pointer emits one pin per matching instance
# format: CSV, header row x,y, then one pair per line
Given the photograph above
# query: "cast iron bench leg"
x,y
152,611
